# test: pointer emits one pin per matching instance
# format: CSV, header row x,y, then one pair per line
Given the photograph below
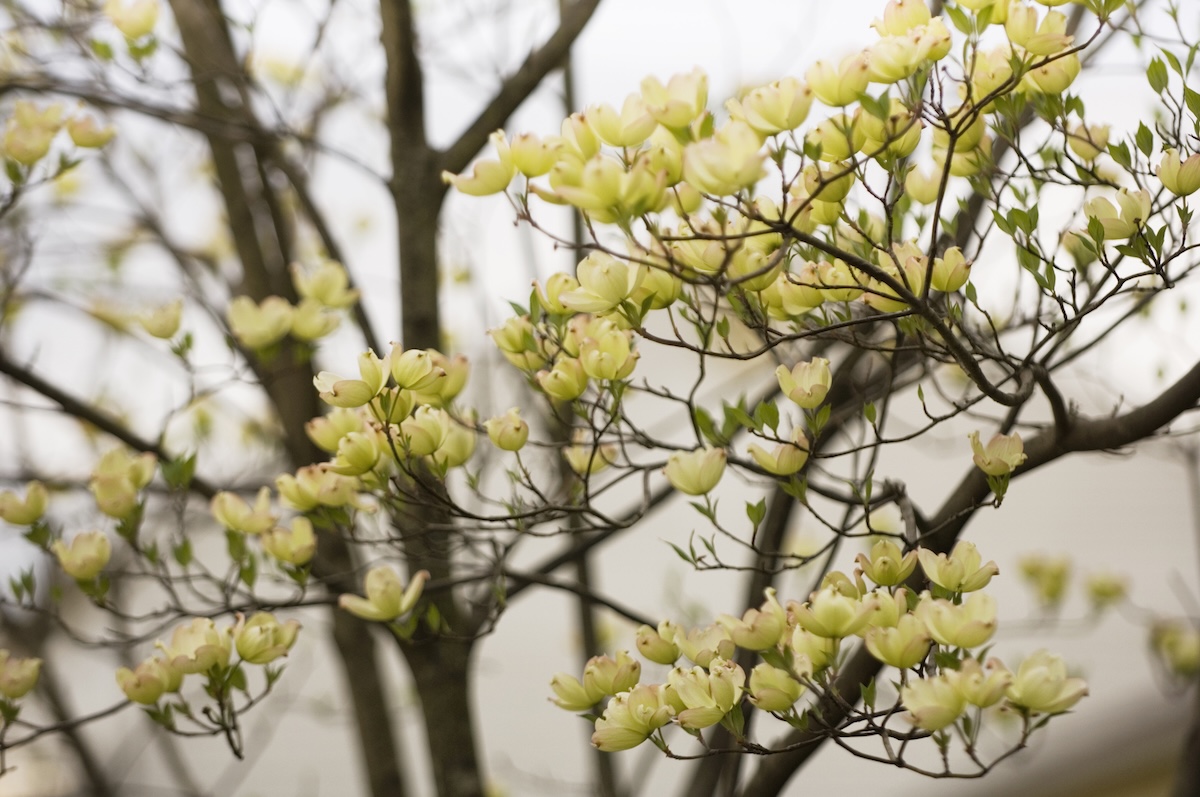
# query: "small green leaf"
x,y
1157,75
1144,139
756,512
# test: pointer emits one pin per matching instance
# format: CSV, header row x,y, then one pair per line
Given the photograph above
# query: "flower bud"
x,y
831,614
327,431
695,472
923,187
962,571
458,444
425,432
509,431
627,128
773,689
533,156
657,645
759,629
558,284
31,131
86,132
1105,589
585,458
314,486
1125,218
1181,179
1053,77
1177,645
358,453
985,685
24,511
1088,141
709,696
604,283
950,271
149,681
784,459
901,16
887,566
134,19
17,676
163,321
608,357
903,646
1041,685
728,162
328,284
85,557
703,645
677,104
806,383
198,647
775,108
608,676
933,703
262,639
295,545
630,718
413,369
579,137
840,85
572,695
387,598
967,625
257,326
234,513
487,176
566,381
1003,454
312,321
838,138
819,651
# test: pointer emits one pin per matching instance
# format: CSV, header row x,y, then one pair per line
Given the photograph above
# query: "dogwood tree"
x,y
821,237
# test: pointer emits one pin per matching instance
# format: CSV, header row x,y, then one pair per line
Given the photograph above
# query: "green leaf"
x,y
183,553
1192,98
178,473
249,571
1144,139
869,412
101,49
868,694
767,414
1156,75
681,553
235,544
1172,61
756,512
237,679
960,19
1120,153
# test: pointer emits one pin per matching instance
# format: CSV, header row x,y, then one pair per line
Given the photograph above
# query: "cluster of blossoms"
x,y
932,638
18,676
32,128
323,290
201,648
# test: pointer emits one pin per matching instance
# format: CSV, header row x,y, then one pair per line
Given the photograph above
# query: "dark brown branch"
x,y
94,416
517,87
